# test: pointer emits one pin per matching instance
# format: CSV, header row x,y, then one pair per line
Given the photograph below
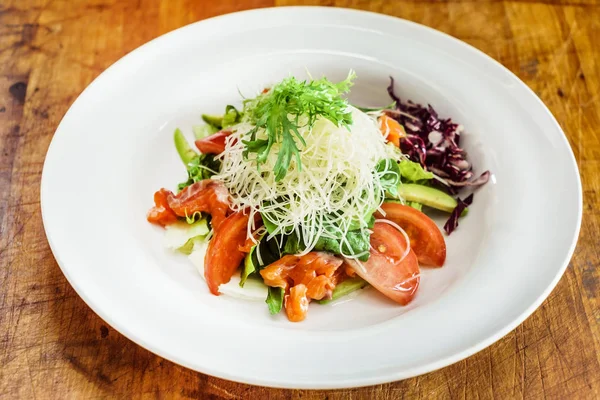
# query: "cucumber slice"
x,y
202,131
185,151
214,120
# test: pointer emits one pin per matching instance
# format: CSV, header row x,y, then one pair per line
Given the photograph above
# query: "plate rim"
x,y
337,382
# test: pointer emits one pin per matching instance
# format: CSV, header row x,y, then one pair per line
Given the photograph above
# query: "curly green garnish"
x,y
288,106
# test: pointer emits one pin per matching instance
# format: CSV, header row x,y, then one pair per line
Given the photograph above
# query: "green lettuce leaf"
x,y
275,299
413,172
389,175
269,252
371,109
181,235
232,116
356,242
292,245
203,166
249,267
415,205
270,226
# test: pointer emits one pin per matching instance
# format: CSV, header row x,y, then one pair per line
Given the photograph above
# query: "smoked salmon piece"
x,y
203,196
312,276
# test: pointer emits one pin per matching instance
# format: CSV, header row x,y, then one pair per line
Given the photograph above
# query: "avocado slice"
x,y
185,151
202,131
346,287
214,120
428,196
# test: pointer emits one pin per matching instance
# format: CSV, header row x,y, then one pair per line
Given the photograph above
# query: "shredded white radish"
x,y
332,191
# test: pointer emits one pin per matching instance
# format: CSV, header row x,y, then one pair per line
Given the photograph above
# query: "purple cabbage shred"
x,y
435,144
452,222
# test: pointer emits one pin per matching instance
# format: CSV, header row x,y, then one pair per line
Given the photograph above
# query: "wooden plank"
x,y
53,346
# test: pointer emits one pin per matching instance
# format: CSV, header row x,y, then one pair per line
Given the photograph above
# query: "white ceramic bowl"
x,y
113,149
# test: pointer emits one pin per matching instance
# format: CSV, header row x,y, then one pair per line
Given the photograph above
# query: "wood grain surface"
x,y
53,346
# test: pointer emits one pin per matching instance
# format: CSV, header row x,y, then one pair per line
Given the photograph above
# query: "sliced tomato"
x,y
426,239
392,129
213,144
388,269
203,196
161,213
223,256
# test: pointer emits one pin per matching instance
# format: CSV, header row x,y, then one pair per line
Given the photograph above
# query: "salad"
x,y
301,197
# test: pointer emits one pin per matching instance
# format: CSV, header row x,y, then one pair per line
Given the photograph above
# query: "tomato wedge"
x,y
392,129
426,239
386,270
213,144
223,256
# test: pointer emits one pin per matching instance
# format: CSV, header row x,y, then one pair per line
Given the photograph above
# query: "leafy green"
x,y
371,109
215,123
292,245
269,251
199,166
181,236
367,221
389,175
415,205
249,268
271,227
279,112
413,172
232,116
187,247
190,219
328,244
202,131
355,242
274,299
202,166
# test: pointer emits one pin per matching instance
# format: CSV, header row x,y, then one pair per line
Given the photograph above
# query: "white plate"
x,y
114,148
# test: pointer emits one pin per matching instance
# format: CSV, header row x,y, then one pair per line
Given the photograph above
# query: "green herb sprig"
x,y
280,111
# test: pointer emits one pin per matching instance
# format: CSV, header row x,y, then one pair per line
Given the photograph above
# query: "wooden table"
x,y
53,346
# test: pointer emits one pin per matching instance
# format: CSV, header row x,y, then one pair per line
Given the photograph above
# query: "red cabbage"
x,y
435,144
452,222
